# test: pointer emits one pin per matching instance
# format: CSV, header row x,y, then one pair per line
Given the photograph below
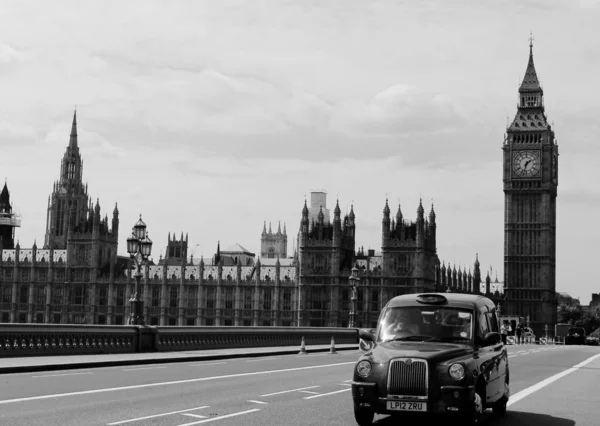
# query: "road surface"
x,y
281,390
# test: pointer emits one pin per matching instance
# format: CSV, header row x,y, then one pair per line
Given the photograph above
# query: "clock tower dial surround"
x,y
530,180
526,163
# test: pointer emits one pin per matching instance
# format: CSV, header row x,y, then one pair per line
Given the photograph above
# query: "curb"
x,y
127,362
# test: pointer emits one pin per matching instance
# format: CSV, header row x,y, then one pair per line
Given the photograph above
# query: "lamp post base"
x,y
136,309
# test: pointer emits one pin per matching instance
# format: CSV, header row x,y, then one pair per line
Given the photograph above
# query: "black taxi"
x,y
432,353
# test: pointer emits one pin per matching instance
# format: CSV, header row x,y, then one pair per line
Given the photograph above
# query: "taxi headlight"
x,y
363,368
456,371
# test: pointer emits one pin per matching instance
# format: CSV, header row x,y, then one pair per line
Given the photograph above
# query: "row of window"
x,y
121,320
79,296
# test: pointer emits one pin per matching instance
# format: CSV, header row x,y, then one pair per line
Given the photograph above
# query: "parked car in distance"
x,y
575,336
432,353
591,340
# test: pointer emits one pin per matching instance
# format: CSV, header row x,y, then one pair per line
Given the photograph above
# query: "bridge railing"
x,y
56,339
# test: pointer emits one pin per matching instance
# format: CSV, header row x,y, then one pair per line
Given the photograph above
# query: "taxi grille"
x,y
408,377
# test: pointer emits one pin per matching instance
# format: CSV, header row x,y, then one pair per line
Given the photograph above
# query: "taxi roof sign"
x,y
432,299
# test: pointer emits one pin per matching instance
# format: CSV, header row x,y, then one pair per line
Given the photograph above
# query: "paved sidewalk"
x,y
70,362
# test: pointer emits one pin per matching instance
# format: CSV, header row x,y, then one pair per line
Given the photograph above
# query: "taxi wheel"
x,y
363,417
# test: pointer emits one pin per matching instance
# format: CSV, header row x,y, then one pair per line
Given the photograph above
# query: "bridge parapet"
x,y
66,339
17,340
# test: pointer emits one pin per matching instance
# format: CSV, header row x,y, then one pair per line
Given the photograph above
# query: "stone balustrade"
x,y
58,339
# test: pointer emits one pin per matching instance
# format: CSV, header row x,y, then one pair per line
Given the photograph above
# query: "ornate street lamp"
x,y
139,247
353,281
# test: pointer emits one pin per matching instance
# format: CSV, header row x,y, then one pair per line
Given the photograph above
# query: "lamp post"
x,y
498,310
139,247
353,279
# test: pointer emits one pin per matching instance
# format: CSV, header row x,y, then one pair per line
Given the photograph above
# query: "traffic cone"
x,y
302,348
332,350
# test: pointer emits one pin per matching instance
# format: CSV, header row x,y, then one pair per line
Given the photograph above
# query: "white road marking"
x,y
511,356
526,392
261,359
311,392
221,417
305,355
142,368
325,394
257,402
175,382
344,384
64,374
205,363
288,391
348,381
197,416
155,415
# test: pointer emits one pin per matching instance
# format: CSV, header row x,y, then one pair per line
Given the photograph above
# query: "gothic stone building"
x,y
530,188
77,276
66,281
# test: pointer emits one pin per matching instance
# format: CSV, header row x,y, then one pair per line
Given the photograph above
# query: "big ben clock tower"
x,y
530,188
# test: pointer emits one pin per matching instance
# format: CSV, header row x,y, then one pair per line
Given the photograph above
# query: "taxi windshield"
x,y
427,323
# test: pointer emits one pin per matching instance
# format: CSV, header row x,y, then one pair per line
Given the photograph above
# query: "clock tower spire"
x,y
530,188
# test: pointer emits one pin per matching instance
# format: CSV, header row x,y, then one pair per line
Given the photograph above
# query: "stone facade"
x,y
273,245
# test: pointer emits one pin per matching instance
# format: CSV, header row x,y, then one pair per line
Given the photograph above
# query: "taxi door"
x,y
490,356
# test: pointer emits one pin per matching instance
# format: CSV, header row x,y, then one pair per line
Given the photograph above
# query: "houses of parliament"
x,y
77,276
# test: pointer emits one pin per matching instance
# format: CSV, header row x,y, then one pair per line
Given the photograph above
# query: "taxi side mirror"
x,y
492,338
366,334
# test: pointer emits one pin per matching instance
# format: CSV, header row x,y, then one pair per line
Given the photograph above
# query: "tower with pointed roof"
x,y
273,244
176,252
409,253
8,220
74,223
325,260
530,189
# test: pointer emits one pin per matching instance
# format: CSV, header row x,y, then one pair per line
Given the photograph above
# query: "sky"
x,y
211,117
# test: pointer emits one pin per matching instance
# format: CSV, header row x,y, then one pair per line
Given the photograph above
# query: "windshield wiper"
x,y
409,338
446,339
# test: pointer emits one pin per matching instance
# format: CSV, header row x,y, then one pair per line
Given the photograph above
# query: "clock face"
x,y
526,163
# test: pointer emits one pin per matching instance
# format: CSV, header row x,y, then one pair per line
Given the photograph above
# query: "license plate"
x,y
406,406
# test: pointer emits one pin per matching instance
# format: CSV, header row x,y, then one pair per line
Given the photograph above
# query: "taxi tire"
x,y
363,417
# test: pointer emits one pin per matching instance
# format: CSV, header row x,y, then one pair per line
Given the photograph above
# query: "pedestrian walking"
x,y
504,332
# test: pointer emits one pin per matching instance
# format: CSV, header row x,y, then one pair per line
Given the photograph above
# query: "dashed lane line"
x,y
326,394
257,402
64,374
289,390
202,364
311,392
226,416
196,416
261,359
155,416
175,382
143,368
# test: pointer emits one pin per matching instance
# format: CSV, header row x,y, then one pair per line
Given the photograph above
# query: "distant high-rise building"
x,y
530,188
318,204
